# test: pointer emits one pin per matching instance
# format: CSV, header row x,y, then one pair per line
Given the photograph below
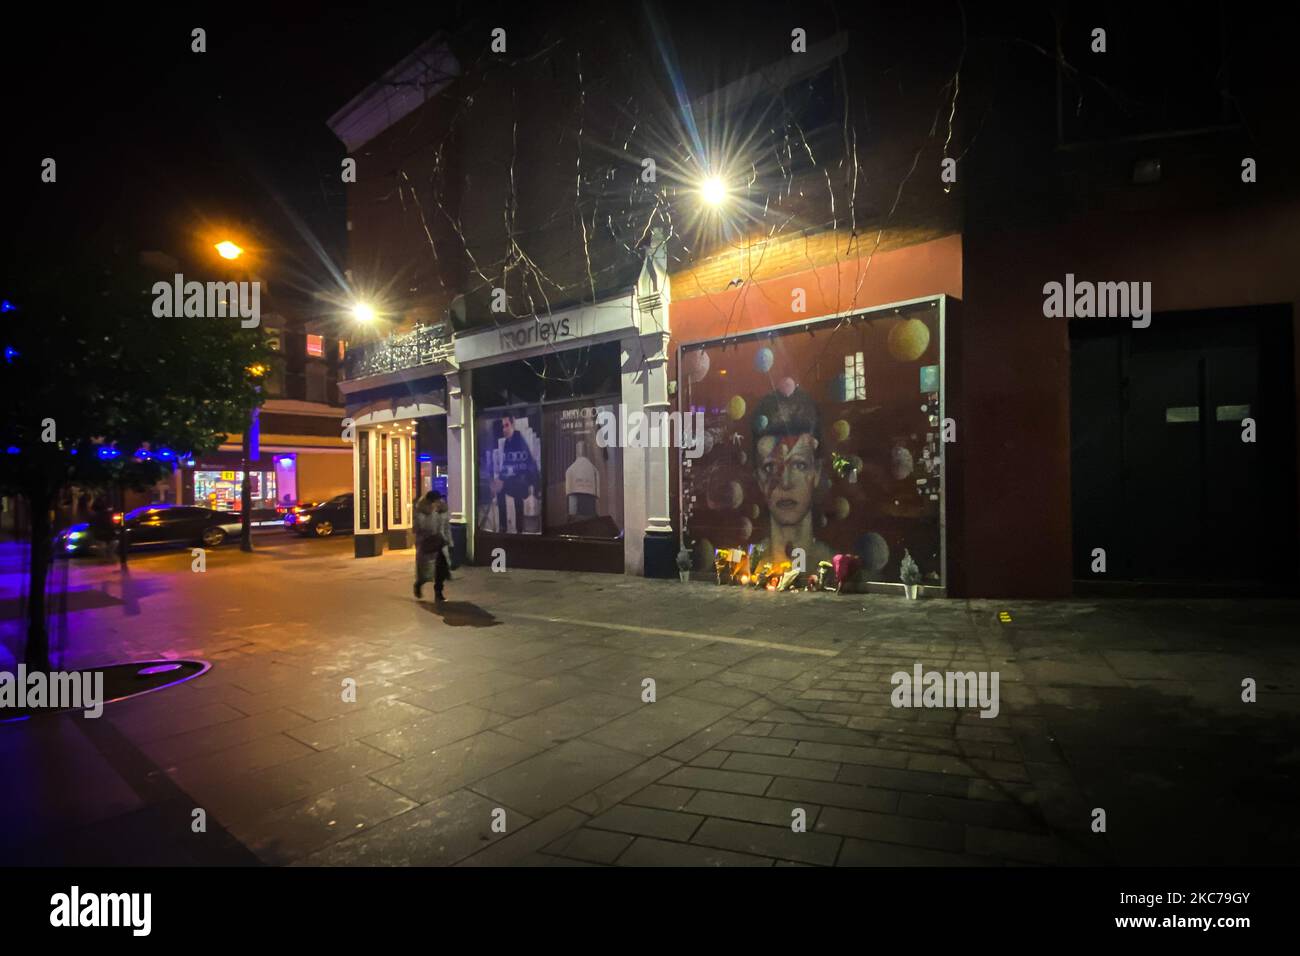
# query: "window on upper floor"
x,y
316,345
855,378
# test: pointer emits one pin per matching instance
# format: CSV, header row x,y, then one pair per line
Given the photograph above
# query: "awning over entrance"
x,y
385,411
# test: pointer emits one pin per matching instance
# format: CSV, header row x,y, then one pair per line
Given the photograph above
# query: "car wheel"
x,y
323,529
213,537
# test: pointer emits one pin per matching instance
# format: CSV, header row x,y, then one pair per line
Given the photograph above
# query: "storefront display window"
x,y
584,488
509,470
221,490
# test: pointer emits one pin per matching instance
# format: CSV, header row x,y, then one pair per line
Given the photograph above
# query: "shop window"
x,y
343,349
316,345
222,490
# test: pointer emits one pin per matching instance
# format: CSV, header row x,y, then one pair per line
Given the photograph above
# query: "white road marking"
x,y
690,635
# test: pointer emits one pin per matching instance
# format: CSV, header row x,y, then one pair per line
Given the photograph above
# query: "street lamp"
x,y
363,312
228,250
713,191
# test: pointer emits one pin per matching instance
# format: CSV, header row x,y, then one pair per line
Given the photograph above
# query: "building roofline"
x,y
399,91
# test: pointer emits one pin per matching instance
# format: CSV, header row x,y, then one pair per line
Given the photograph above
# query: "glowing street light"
x,y
228,250
363,312
713,191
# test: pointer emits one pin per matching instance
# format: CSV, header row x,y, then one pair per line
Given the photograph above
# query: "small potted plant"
x,y
910,575
684,562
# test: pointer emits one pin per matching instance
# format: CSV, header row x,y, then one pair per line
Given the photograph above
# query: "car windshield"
x,y
341,499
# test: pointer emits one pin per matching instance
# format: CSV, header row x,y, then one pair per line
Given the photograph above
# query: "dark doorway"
x,y
1161,478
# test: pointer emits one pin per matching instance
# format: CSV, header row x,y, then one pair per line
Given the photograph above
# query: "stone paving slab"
x,y
440,833
454,766
547,781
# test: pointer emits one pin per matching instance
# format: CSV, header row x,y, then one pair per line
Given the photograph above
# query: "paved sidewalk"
x,y
520,703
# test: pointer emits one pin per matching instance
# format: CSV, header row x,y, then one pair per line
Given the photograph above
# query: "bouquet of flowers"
x,y
722,565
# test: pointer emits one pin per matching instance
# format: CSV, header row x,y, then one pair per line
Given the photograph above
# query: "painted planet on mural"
x,y
735,495
900,463
841,508
697,365
760,422
840,430
874,551
753,512
764,359
736,408
726,494
742,457
908,340
786,386
746,528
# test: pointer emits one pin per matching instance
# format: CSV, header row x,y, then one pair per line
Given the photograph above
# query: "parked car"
x,y
332,517
77,539
180,524
293,512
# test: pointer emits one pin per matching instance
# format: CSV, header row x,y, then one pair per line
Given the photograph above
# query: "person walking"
x,y
432,544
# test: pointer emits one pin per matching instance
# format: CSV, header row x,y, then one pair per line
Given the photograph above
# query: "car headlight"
x,y
73,536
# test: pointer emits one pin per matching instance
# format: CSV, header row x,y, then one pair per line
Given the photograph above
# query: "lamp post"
x,y
231,251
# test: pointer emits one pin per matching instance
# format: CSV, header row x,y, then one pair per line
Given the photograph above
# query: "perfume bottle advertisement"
x,y
584,487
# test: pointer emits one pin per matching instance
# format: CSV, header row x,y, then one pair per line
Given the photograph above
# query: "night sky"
x,y
153,141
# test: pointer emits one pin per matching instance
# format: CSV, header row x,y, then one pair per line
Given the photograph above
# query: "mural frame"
x,y
940,302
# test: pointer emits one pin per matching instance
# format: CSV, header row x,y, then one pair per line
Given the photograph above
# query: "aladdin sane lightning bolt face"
x,y
788,473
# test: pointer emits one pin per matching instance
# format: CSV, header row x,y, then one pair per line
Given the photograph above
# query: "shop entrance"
x,y
1161,477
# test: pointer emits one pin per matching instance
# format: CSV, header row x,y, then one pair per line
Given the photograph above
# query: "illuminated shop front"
x,y
222,490
215,481
532,473
504,421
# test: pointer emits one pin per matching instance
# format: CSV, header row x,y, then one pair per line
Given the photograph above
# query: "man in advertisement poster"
x,y
517,477
788,460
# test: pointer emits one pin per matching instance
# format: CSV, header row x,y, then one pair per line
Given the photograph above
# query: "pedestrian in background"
x,y
432,544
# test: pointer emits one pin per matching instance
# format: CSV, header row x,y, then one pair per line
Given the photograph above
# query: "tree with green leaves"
x,y
100,393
